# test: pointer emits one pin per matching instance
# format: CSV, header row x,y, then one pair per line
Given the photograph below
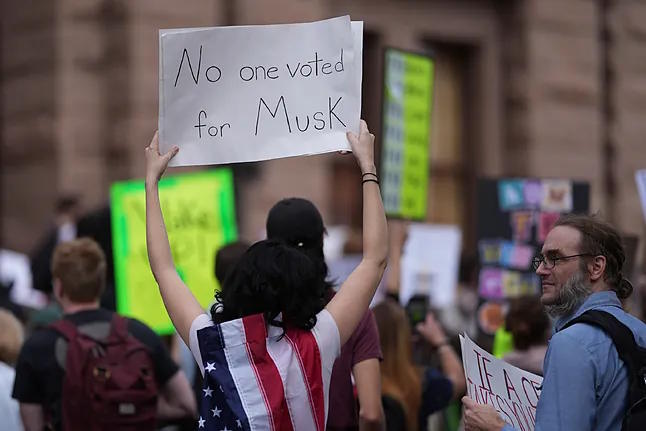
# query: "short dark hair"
x,y
272,277
298,223
66,203
527,322
226,258
599,238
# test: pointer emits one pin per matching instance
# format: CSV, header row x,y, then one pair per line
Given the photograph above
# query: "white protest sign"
x,y
15,270
430,262
511,391
249,93
640,177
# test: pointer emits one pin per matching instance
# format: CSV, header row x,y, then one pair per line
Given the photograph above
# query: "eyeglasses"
x,y
550,262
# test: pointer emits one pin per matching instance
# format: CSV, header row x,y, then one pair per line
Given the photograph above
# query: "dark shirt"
x,y
362,345
437,391
40,367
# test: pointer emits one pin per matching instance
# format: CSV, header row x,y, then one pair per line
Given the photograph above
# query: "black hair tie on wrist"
x,y
370,180
369,173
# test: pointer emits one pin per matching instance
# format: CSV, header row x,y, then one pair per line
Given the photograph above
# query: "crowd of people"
x,y
284,348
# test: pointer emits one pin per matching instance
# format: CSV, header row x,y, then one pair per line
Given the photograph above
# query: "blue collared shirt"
x,y
585,384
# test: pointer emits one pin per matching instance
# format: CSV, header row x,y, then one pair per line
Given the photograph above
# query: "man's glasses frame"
x,y
550,262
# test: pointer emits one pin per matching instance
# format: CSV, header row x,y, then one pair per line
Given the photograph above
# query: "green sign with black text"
x,y
408,99
199,213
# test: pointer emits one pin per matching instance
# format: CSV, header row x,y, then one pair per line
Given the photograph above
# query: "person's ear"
x,y
597,267
57,288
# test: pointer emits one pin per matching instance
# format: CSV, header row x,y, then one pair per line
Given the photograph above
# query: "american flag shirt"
x,y
255,380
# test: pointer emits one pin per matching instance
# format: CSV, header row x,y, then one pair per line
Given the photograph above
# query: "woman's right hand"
x,y
156,163
363,148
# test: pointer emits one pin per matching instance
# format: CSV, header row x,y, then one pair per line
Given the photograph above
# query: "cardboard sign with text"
x,y
249,93
199,211
511,391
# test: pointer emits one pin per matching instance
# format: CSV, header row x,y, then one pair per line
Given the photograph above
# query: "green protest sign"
x,y
199,212
408,98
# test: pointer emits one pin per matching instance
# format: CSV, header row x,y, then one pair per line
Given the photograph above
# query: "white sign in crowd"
x,y
640,178
431,271
511,391
249,93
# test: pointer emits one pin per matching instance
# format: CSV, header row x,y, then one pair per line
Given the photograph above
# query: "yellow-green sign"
x,y
408,98
199,212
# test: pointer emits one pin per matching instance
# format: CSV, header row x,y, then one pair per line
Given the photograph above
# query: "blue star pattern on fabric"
x,y
219,412
257,376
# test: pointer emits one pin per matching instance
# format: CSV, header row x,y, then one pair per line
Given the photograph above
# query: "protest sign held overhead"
x,y
511,391
249,93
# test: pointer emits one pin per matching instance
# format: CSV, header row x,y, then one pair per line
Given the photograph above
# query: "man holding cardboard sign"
x,y
586,382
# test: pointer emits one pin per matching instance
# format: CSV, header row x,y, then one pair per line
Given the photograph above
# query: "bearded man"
x,y
585,384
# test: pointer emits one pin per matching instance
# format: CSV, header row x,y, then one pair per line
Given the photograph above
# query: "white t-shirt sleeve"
x,y
201,321
327,337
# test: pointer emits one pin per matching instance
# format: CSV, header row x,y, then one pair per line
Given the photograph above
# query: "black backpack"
x,y
633,356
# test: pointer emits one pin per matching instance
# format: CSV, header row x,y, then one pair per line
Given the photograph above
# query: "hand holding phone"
x,y
432,331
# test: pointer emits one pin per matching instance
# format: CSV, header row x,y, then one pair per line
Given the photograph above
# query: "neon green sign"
x,y
408,96
199,212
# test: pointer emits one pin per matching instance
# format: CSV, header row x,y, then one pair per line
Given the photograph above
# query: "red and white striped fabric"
x,y
256,380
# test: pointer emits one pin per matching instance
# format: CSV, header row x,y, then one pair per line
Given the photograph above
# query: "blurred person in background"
x,y
11,338
43,370
418,391
226,259
529,326
298,222
66,215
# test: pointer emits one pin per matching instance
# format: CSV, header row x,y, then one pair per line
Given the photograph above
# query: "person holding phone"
x,y
419,391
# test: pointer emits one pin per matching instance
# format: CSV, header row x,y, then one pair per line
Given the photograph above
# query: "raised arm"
x,y
450,362
179,301
348,306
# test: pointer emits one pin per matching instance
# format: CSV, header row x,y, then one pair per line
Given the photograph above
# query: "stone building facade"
x,y
544,88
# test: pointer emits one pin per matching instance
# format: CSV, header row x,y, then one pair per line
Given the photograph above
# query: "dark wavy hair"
x,y
599,238
272,277
315,253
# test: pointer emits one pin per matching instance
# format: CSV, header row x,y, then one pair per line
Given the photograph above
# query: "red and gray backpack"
x,y
109,384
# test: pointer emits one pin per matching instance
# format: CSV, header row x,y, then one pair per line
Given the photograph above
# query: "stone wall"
x,y
559,89
79,100
29,93
627,128
80,90
576,98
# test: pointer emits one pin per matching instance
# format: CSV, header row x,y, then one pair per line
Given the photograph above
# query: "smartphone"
x,y
416,309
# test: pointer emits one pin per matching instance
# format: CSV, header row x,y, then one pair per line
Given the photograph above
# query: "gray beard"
x,y
571,296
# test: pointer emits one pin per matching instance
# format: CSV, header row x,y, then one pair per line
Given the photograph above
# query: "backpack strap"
x,y
119,327
65,328
621,336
